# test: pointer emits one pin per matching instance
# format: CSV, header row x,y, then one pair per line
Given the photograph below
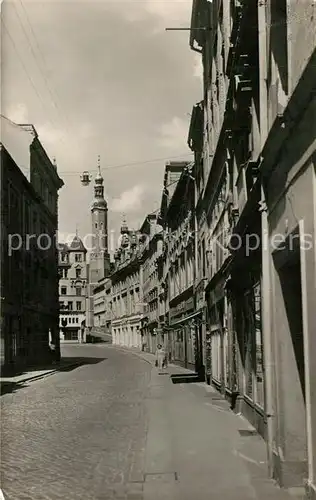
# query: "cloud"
x,y
174,134
175,11
17,113
198,67
129,201
119,81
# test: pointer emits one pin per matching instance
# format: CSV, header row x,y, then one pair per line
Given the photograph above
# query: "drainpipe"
x,y
198,360
265,252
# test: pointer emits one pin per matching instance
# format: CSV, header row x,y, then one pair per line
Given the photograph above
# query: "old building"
x,y
152,234
99,258
228,205
288,107
29,261
177,219
72,290
127,300
201,235
258,170
102,308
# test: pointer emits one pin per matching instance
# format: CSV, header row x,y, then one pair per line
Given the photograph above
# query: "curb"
x,y
38,377
141,356
138,355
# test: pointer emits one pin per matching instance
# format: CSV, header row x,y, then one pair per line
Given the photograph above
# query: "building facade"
x,y
177,219
288,105
127,299
102,308
257,168
152,332
29,261
72,290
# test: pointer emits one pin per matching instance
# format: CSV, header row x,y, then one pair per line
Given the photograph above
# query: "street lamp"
x,y
85,178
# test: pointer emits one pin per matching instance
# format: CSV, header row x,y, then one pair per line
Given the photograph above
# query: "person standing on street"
x,y
160,356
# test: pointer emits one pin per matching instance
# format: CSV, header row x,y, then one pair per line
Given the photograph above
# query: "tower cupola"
x,y
124,226
99,201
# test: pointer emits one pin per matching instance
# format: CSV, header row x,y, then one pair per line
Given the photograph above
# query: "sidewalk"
x,y
33,374
197,448
151,358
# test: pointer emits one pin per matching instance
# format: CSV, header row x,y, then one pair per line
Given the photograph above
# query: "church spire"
x,y
98,184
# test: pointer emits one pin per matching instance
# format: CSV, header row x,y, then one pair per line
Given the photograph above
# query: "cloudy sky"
x,y
102,78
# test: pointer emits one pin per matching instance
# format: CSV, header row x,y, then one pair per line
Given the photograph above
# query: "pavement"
x,y
36,373
117,428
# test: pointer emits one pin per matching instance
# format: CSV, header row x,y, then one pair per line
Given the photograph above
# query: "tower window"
x,y
78,257
78,273
96,225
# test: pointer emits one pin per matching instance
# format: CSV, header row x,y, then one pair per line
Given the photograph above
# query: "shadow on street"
x,y
70,363
185,378
67,364
10,387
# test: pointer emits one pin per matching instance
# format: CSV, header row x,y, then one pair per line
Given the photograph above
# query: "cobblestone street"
x,y
114,428
77,434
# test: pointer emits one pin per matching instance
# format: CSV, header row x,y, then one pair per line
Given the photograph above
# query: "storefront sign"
x,y
181,309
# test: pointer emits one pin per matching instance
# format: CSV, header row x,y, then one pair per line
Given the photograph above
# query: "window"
x,y
71,335
78,273
78,306
78,257
64,257
279,35
65,273
63,290
69,306
78,291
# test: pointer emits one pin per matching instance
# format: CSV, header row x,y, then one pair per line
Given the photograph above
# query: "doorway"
x,y
290,369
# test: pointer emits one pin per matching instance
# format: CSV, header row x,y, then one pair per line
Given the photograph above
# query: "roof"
x,y
77,245
173,172
17,141
195,136
62,247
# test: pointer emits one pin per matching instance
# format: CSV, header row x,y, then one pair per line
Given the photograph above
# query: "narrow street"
x,y
76,434
113,428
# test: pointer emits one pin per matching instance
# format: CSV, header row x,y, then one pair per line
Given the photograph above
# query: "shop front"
x,y
182,334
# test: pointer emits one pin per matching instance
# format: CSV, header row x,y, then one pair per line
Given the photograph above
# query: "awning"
x,y
187,318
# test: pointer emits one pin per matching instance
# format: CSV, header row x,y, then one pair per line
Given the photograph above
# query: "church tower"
x,y
99,256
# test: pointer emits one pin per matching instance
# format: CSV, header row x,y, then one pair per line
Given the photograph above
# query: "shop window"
x,y
253,346
248,344
216,356
71,335
259,380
